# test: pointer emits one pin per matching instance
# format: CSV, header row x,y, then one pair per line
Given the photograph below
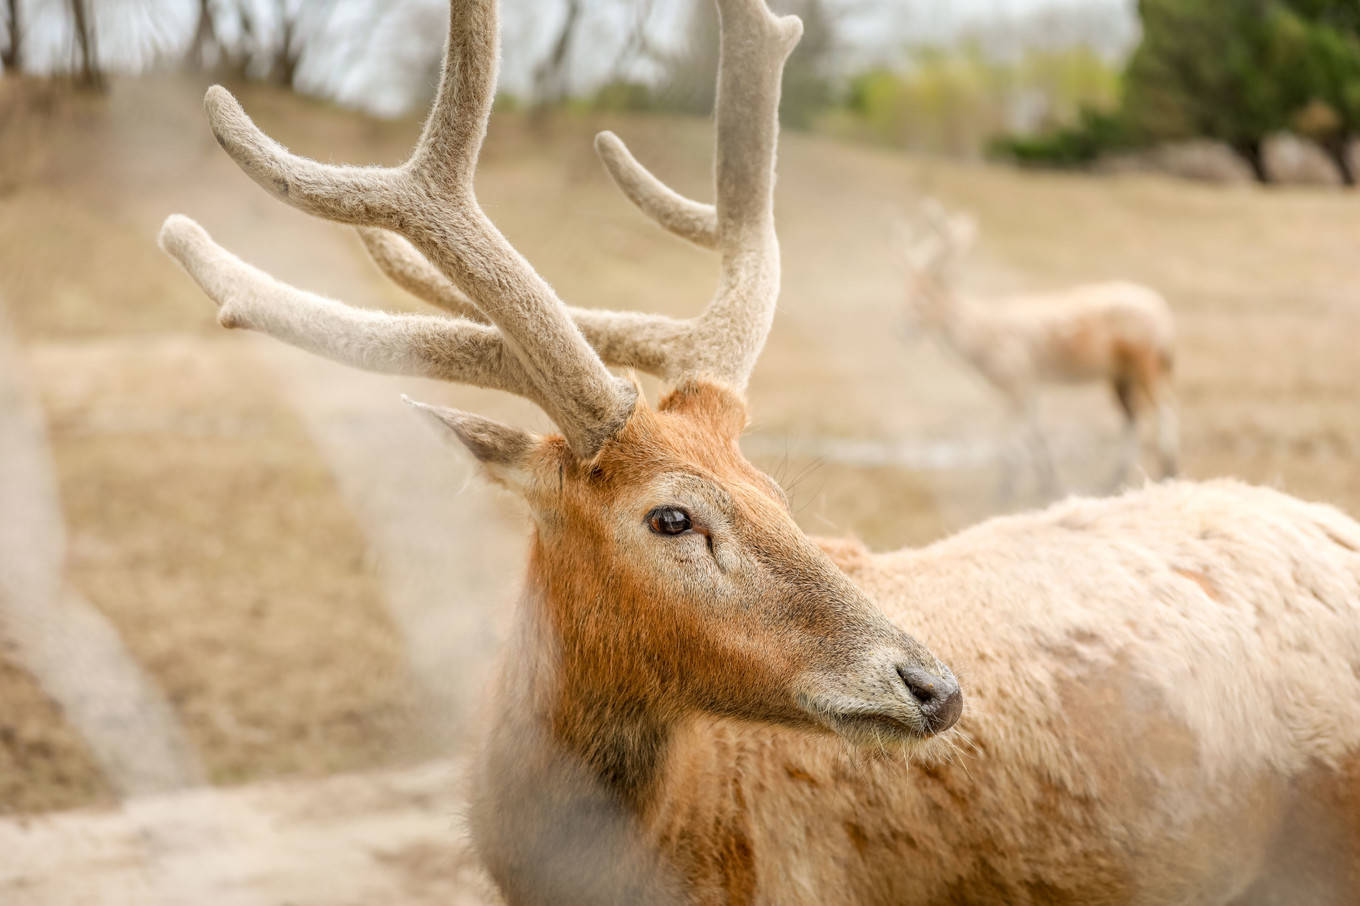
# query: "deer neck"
x,y
621,749
958,319
580,714
561,794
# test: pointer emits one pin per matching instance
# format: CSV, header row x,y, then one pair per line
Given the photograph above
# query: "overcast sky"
x,y
878,31
373,51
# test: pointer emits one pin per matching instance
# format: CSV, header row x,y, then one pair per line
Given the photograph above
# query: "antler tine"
x,y
430,201
413,272
754,46
346,194
624,339
724,341
684,217
416,345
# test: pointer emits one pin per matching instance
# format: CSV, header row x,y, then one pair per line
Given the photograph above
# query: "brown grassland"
x,y
316,590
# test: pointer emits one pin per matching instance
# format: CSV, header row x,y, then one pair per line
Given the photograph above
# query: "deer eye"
x,y
669,521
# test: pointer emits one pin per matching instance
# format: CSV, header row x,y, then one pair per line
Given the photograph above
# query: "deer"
x,y
1145,699
1118,333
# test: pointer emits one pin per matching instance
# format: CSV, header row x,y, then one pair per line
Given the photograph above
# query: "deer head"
x,y
935,243
667,569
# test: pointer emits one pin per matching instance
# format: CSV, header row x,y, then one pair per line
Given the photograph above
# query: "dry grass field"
x,y
276,574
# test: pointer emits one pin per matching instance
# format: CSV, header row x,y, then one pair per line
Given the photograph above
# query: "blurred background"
x,y
248,603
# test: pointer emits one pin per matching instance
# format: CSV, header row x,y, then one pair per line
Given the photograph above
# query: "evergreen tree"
x,y
1208,68
1318,45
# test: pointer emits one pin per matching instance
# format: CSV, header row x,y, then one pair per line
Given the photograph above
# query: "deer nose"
x,y
938,696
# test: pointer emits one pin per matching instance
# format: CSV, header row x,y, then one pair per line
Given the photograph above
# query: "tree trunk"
x,y
89,75
286,61
1338,148
550,76
636,41
1253,153
205,34
13,57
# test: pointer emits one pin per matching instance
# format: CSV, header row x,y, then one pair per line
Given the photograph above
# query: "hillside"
x,y
292,578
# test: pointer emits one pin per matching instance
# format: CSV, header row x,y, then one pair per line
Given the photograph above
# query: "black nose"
x,y
939,697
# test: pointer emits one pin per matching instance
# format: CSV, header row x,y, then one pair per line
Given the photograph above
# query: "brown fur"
x,y
750,614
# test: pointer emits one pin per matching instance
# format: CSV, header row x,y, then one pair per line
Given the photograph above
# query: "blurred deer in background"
x,y
1118,333
1164,689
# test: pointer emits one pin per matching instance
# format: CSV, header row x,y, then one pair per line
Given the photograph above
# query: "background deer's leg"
x,y
1152,380
1026,441
1027,412
1168,432
1012,456
1128,448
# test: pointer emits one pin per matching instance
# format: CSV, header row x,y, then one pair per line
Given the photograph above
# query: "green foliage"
x,y
1320,64
1230,70
1206,68
1095,133
624,95
953,100
1318,48
1072,81
505,102
1342,15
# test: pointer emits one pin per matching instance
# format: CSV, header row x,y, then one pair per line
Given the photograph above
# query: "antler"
x,y
621,338
416,345
724,341
685,218
455,257
429,200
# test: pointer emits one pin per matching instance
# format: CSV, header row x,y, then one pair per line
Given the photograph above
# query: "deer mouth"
x,y
868,728
906,704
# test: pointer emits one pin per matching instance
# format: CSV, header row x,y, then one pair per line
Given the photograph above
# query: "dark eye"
x,y
669,521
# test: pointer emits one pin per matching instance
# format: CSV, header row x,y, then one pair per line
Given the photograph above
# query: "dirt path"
x,y
348,840
74,652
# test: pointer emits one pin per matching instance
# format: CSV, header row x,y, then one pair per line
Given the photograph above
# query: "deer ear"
x,y
505,452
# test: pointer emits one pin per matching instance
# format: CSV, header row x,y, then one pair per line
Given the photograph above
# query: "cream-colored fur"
x,y
669,348
1151,681
1117,333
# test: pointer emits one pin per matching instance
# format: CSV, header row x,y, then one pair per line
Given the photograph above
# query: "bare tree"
x,y
635,43
551,75
205,36
87,67
12,56
688,72
558,73
289,49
